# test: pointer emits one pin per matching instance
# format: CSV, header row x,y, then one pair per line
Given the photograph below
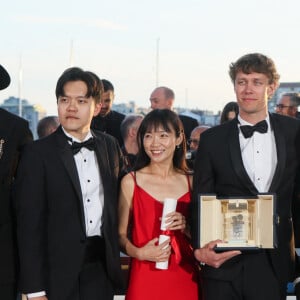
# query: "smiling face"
x,y
252,92
160,144
75,110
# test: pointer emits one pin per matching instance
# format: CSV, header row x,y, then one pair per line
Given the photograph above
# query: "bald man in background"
x,y
163,98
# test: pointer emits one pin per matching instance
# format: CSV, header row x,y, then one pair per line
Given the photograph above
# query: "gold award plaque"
x,y
239,223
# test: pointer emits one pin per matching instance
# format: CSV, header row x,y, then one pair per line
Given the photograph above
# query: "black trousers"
x,y
255,281
8,291
93,282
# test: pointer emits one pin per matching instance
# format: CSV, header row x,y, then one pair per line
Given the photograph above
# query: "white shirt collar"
x,y
74,139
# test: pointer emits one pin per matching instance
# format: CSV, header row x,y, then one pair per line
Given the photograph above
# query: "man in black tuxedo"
x,y
108,120
66,198
234,160
163,98
14,134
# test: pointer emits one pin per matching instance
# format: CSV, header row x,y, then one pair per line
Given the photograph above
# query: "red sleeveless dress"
x,y
146,282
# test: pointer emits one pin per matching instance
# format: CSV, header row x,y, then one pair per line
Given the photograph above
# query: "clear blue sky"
x,y
117,39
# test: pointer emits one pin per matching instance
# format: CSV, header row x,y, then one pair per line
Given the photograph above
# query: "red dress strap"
x,y
189,183
133,174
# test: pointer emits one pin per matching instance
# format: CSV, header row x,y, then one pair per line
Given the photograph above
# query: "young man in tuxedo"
x,y
66,197
14,134
257,152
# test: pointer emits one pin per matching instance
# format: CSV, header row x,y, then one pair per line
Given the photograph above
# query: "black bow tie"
x,y
248,130
89,144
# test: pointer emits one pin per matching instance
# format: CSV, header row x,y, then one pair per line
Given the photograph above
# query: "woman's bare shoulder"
x,y
127,180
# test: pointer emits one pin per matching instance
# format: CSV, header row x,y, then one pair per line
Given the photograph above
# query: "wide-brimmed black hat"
x,y
4,78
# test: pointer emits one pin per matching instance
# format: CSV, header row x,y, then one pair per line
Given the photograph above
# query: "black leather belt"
x,y
94,250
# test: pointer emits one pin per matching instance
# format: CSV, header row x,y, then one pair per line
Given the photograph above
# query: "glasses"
x,y
281,106
193,141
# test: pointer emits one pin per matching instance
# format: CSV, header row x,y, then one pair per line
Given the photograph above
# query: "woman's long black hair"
x,y
168,120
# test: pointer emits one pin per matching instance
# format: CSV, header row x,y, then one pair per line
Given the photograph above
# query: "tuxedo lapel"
x,y
102,157
101,151
236,157
281,153
68,161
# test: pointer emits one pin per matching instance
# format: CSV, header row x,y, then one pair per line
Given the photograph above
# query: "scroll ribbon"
x,y
174,244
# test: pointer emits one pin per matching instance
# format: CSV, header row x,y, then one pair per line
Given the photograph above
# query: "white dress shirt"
x,y
91,187
259,156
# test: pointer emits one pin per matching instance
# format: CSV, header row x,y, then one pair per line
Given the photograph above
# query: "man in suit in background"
x,y
193,143
163,98
129,128
257,152
14,134
287,105
194,139
47,125
108,120
66,199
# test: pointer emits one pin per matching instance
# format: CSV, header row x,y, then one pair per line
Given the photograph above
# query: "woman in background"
x,y
230,111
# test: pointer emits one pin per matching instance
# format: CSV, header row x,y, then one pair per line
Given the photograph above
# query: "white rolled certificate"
x,y
169,206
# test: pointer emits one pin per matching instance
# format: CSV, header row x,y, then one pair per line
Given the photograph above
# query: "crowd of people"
x,y
96,183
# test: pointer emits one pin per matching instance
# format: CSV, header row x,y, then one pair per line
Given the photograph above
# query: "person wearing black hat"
x,y
14,134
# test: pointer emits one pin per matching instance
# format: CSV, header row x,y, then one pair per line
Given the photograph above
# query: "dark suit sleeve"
x,y
203,182
296,214
297,291
296,210
24,133
30,201
110,224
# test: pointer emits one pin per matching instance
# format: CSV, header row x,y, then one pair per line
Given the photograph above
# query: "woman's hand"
x,y
153,252
175,221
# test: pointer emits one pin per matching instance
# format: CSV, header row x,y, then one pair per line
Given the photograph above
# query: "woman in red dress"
x,y
160,173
